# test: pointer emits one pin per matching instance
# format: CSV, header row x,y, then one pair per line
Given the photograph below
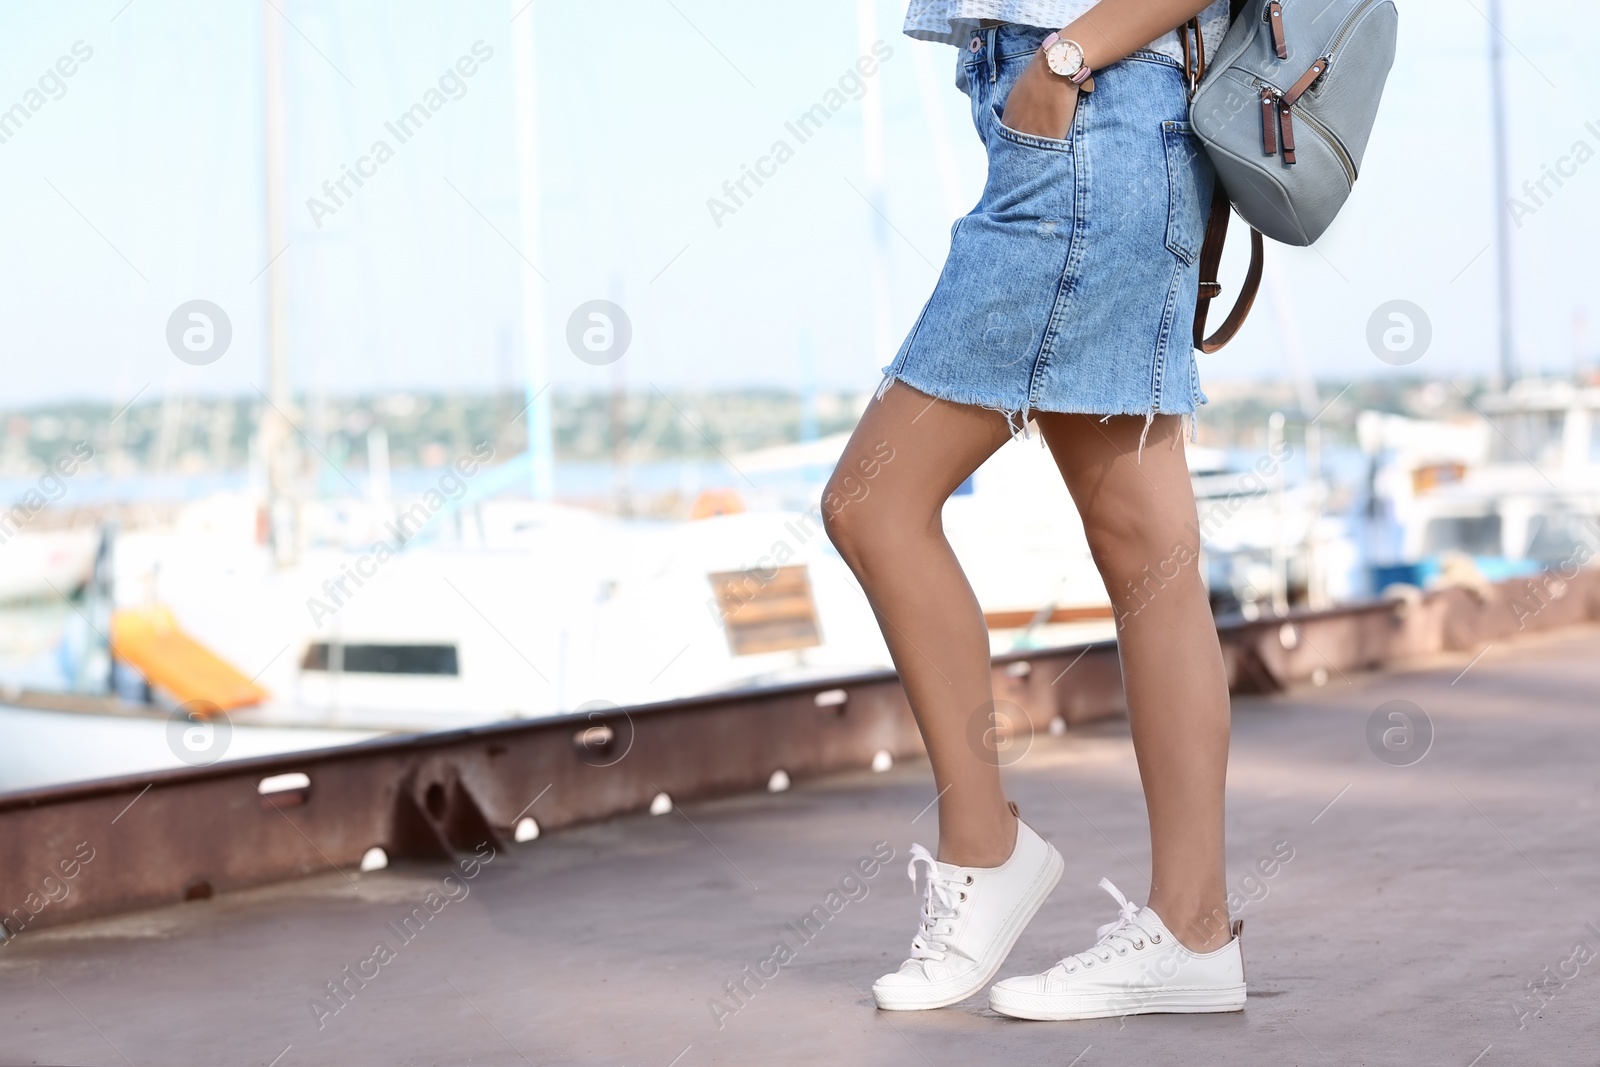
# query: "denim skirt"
x,y
1071,286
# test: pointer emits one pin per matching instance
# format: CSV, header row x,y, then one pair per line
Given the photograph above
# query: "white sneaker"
x,y
1135,967
971,916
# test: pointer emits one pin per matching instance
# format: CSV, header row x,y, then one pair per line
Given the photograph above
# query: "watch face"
x,y
1064,57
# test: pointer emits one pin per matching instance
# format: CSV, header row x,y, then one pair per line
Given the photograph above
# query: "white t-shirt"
x,y
955,21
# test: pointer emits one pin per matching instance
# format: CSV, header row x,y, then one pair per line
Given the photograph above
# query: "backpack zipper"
x,y
1269,120
1277,114
1349,24
1277,128
1273,16
1333,143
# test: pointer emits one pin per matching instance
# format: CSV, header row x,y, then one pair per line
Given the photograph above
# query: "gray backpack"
x,y
1284,111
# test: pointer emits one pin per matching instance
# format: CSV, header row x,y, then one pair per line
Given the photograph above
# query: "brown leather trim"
x,y
1194,65
1286,126
1275,18
1194,61
1312,73
1210,261
1188,57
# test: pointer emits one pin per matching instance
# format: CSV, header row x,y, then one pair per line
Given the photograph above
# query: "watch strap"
x,y
1083,77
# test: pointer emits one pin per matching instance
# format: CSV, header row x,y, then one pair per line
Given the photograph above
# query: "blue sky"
x,y
138,185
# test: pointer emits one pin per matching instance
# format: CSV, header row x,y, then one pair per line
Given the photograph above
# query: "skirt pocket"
x,y
1186,216
1030,140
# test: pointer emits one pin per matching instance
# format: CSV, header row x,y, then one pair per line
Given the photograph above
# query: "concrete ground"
x,y
1420,903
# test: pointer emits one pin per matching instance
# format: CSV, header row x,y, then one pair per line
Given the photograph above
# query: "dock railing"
x,y
164,837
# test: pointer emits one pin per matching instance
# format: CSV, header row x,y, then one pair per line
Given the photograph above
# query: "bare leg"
x,y
884,517
1139,514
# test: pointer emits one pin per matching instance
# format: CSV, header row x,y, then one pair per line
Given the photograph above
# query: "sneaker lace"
x,y
941,897
1114,937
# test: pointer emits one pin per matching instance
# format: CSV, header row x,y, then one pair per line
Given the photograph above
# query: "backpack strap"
x,y
1194,61
1194,67
1210,288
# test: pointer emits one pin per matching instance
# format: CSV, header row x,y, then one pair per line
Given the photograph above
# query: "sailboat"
x,y
286,620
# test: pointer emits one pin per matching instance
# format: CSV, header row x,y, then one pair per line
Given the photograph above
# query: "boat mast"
x,y
1509,370
944,158
524,85
276,433
872,131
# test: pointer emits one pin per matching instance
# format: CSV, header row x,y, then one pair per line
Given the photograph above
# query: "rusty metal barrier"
x,y
164,837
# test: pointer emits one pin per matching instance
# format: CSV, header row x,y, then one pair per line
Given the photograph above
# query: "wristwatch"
x,y
1065,57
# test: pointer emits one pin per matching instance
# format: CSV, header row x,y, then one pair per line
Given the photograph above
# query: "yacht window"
x,y
1560,538
381,659
1527,437
1476,535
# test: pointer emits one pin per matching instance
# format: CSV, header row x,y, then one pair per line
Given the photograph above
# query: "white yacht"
x,y
1515,488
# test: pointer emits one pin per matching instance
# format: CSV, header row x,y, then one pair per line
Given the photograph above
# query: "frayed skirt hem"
x,y
1017,418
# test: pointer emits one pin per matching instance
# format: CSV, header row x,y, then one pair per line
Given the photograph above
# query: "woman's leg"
x,y
885,520
1139,515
